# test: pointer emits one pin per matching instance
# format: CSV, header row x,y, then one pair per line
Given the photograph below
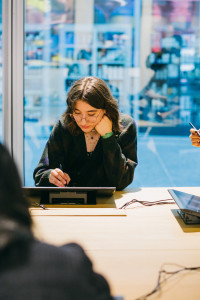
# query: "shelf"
x,y
111,47
111,62
72,46
72,39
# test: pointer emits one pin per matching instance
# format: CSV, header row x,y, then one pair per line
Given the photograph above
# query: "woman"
x,y
30,269
91,145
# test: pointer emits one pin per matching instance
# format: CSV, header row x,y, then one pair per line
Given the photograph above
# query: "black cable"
x,y
161,281
149,203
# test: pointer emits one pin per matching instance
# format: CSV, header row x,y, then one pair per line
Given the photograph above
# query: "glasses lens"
x,y
77,118
91,119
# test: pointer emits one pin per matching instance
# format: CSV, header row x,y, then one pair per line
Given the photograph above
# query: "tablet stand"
x,y
68,197
188,218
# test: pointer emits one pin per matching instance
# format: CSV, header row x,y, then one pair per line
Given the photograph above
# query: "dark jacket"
x,y
112,163
34,270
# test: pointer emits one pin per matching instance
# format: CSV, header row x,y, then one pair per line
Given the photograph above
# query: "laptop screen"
x,y
187,202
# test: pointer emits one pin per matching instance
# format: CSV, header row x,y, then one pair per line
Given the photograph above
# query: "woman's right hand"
x,y
59,178
195,139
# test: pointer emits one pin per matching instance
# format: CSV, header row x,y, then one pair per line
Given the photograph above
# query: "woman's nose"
x,y
83,120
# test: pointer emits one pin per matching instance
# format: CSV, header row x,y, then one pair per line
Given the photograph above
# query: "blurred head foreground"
x,y
14,213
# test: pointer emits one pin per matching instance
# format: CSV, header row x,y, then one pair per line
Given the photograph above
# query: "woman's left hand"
x,y
104,126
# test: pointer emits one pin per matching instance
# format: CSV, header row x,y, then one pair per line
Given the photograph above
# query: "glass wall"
x,y
169,93
49,43
147,52
66,40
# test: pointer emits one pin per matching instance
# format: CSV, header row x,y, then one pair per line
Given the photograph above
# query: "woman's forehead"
x,y
84,106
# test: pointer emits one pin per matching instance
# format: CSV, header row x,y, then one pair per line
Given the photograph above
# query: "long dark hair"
x,y
13,205
96,93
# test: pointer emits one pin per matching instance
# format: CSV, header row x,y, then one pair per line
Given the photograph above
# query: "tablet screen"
x,y
187,202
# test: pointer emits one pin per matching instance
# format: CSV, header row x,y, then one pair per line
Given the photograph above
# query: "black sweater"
x,y
112,163
34,270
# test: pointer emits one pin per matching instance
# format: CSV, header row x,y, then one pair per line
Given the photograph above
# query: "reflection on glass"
x,y
48,34
171,96
160,88
59,49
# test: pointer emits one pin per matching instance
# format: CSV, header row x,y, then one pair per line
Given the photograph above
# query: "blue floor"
x,y
167,161
162,160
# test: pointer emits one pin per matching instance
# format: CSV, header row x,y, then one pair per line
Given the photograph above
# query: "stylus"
x,y
198,133
61,168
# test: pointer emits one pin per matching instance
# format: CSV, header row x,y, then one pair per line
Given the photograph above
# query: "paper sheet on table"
x,y
77,212
146,194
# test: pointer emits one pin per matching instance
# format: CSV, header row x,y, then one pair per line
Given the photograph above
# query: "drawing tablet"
x,y
68,195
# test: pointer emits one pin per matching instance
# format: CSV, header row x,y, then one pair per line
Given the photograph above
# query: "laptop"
x,y
189,206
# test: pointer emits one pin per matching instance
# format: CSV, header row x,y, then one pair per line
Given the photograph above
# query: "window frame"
x,y
13,78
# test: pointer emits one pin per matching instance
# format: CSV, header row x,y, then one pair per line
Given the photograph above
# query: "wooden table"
x,y
130,249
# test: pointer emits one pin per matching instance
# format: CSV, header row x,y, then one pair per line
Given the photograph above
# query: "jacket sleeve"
x,y
91,285
51,158
120,156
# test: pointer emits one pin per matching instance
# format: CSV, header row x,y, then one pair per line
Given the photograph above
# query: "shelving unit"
x,y
72,53
103,51
176,77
